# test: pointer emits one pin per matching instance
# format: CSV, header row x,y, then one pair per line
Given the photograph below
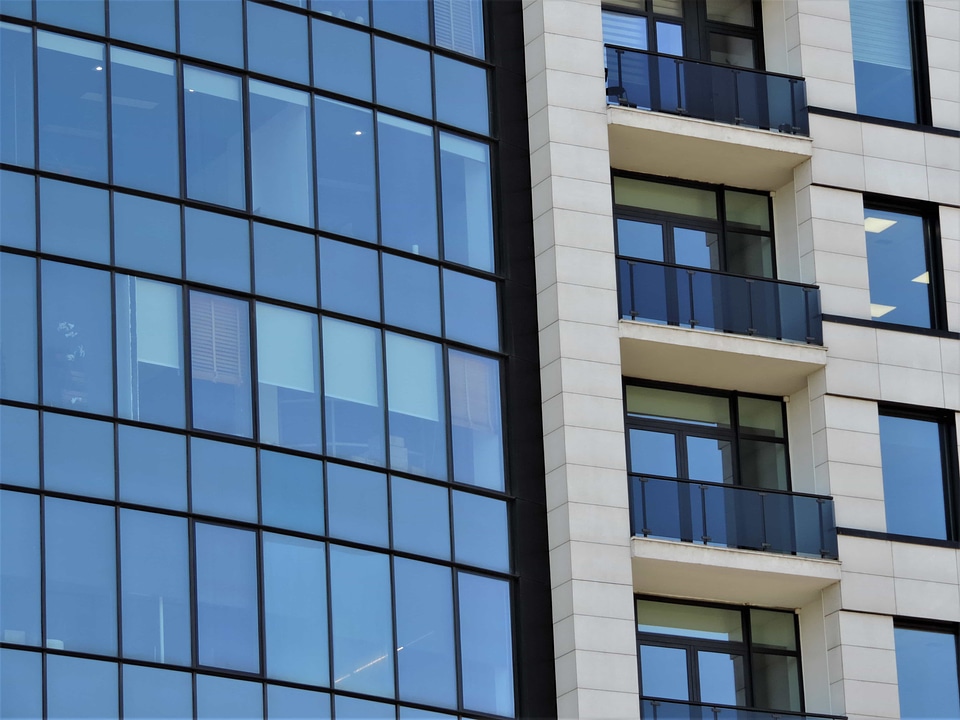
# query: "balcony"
x,y
668,710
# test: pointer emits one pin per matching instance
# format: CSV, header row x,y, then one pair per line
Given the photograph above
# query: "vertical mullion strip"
x,y
119,594
455,599
329,577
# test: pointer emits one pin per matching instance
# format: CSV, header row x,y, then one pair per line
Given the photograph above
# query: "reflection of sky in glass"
x,y
912,477
897,263
927,673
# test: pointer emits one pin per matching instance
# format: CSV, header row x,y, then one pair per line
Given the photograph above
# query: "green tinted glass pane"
x,y
693,621
748,209
670,7
678,406
749,255
773,629
763,465
738,12
776,682
666,198
761,417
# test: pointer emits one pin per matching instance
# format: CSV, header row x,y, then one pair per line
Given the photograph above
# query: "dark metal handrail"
x,y
707,90
653,709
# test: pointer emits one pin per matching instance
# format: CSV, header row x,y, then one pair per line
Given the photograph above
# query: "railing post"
x,y
703,514
643,505
623,88
793,107
823,544
680,109
631,266
693,311
750,330
764,545
737,115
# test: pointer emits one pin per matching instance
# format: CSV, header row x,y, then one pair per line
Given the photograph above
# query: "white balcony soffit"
x,y
703,150
718,360
701,572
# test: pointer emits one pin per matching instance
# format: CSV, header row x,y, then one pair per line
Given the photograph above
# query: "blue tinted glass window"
x,y
77,338
349,708
417,714
362,621
155,587
79,688
288,371
21,689
409,18
221,698
16,94
81,576
227,606
480,531
357,11
476,423
286,264
218,249
417,409
927,673
19,446
486,648
461,94
145,22
150,693
346,192
349,279
459,26
470,310
883,59
143,96
18,327
403,74
19,568
153,467
411,294
223,479
913,491
277,43
74,220
353,391
220,364
213,121
18,209
357,500
341,59
467,204
291,492
150,378
78,455
284,703
84,15
17,8
280,153
421,518
426,662
900,287
295,609
408,199
146,234
72,108
212,29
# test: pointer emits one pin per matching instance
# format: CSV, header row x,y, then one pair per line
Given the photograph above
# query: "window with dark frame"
x,y
928,669
718,655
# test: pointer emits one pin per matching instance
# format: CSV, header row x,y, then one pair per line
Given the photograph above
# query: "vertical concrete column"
x,y
587,499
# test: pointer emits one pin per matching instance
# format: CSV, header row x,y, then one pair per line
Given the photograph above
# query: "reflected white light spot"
x,y
880,310
922,278
359,132
190,90
877,225
99,67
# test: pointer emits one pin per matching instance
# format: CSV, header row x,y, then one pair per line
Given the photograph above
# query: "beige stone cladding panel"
x,y
826,53
942,21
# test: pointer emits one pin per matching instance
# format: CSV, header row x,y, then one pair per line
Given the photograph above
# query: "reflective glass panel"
x,y
927,673
284,703
220,364
18,328
883,59
218,249
696,248
667,198
897,264
653,453
480,531
213,29
640,240
74,220
86,15
72,109
143,95
277,43
78,455
213,122
357,11
155,582
721,678
150,693
663,672
21,686
77,338
486,647
418,438
459,26
761,417
408,191
732,50
763,465
346,185
694,621
349,708
358,504
475,416
362,621
421,518
291,492
709,459
223,479
692,408
467,204
285,264
17,8
16,94
403,73
146,234
18,208
470,310
227,606
80,576
349,279
749,255
80,688
19,569
771,629
280,153
153,467
288,374
341,60
669,38
776,682
295,609
408,18
150,378
746,209
461,94
225,699
411,294
19,446
145,22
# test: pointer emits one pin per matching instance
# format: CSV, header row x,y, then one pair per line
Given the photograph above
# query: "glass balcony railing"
x,y
733,516
732,95
668,710
713,300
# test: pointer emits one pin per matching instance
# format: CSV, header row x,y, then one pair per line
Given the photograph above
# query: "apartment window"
x,y
718,655
928,678
919,474
888,66
905,282
721,438
727,32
